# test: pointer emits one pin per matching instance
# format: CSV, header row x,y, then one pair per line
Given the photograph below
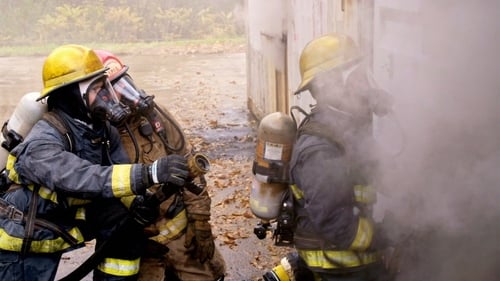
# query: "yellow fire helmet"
x,y
69,64
325,53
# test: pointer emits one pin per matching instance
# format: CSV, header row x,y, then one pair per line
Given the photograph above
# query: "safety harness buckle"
x,y
14,214
10,212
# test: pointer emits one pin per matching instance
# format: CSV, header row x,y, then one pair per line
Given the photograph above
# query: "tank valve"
x,y
260,229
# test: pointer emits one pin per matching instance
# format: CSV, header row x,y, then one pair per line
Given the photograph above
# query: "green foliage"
x,y
122,25
173,23
66,23
61,21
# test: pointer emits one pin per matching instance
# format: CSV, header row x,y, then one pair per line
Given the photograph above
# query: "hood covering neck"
x,y
69,100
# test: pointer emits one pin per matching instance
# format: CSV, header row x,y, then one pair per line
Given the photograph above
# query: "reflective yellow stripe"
x,y
297,192
80,214
11,243
120,180
77,201
171,228
286,267
9,166
337,259
281,273
51,195
364,235
127,200
46,193
365,194
119,267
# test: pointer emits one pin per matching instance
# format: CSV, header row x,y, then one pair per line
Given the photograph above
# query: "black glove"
x,y
142,212
172,169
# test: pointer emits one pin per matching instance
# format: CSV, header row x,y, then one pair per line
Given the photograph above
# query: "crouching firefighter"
x,y
183,225
332,167
69,173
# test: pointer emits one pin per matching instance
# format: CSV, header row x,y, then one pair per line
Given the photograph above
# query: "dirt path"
x,y
207,93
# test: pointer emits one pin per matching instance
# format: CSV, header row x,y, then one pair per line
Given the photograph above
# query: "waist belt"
x,y
8,211
337,259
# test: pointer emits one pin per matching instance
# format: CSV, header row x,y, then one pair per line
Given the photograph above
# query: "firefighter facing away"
x,y
183,227
69,174
332,167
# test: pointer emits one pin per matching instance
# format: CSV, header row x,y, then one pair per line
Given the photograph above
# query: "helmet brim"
x,y
47,91
324,67
113,78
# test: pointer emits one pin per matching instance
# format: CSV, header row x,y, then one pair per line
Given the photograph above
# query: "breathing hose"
x,y
134,141
177,128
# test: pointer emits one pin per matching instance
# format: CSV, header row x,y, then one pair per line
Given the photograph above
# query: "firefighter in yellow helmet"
x,y
332,168
69,174
183,226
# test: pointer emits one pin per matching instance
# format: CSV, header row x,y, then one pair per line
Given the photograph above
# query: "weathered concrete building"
x,y
413,39
440,61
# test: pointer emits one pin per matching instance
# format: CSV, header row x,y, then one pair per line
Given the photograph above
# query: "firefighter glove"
x,y
199,237
172,169
142,212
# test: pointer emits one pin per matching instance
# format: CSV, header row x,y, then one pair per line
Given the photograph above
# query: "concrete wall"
x,y
266,69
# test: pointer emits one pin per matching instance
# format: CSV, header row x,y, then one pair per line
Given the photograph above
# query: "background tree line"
x,y
28,22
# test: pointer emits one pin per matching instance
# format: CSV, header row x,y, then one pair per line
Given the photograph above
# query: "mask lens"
x,y
132,96
127,91
107,105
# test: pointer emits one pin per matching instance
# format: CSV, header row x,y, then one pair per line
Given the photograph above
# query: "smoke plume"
x,y
445,186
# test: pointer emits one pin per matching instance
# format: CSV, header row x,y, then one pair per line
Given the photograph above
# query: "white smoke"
x,y
446,183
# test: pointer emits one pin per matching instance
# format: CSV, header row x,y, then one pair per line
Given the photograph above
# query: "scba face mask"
x,y
102,101
130,95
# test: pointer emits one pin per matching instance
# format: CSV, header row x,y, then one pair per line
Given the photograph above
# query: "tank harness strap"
x,y
29,226
106,145
11,137
60,125
8,211
315,128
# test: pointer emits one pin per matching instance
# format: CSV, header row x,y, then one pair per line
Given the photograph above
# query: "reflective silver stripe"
x,y
171,228
119,267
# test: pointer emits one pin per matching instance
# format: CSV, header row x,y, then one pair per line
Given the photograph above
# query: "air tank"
x,y
275,138
27,112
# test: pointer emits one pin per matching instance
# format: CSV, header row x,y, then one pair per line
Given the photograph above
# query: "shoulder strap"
x,y
60,125
315,128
